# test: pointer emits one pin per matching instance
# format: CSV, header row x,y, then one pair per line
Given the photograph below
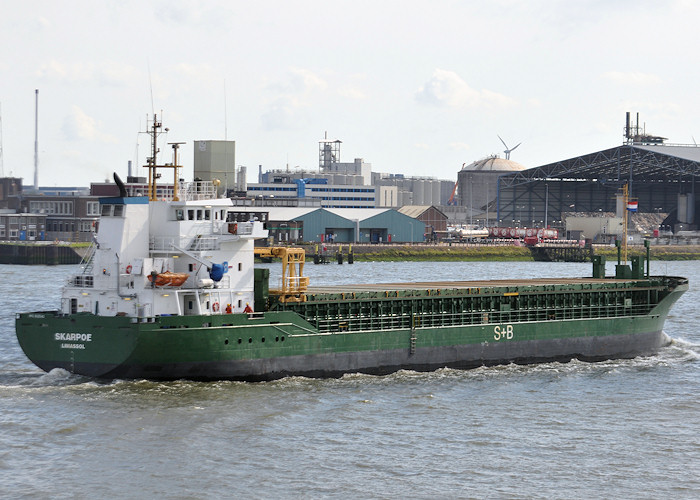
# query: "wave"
x,y
678,352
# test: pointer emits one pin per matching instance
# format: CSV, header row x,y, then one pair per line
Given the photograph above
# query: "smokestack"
x,y
242,179
36,140
628,133
129,171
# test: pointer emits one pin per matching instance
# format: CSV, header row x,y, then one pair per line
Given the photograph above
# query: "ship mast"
x,y
36,140
175,166
2,161
625,196
152,163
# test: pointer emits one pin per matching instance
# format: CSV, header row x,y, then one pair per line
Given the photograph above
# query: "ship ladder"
x,y
89,259
413,339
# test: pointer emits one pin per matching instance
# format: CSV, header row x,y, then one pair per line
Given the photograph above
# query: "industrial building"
x,y
311,187
661,177
477,183
435,221
348,185
414,190
294,224
22,226
215,161
347,202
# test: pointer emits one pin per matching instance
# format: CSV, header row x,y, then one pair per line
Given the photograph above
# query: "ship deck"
x,y
434,285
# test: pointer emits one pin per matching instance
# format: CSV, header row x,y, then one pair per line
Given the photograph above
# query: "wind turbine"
x,y
508,150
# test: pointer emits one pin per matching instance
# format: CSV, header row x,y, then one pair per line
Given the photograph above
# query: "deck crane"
x,y
294,283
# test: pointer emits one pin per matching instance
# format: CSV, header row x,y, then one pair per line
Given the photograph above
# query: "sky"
x,y
414,87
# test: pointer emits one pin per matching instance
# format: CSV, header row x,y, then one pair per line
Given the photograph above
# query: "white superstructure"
x,y
180,256
138,241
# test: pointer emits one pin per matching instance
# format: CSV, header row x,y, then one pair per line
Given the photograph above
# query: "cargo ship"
x,y
169,291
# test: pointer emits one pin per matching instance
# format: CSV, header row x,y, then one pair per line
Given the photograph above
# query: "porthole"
x,y
263,339
226,342
282,339
277,339
250,340
239,341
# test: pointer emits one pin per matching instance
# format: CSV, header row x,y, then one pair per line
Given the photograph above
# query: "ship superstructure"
x,y
177,256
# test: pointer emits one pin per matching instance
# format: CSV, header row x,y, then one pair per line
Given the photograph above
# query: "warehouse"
x,y
337,225
662,178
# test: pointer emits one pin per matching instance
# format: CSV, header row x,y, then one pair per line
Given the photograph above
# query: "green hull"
x,y
373,332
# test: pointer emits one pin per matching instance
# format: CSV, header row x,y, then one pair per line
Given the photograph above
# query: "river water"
x,y
617,429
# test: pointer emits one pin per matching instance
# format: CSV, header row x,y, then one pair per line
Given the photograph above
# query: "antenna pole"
x,y
625,196
2,161
36,140
151,162
150,84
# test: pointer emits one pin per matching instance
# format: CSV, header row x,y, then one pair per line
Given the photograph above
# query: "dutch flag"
x,y
632,206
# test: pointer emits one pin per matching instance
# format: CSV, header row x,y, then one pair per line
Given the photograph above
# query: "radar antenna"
x,y
508,150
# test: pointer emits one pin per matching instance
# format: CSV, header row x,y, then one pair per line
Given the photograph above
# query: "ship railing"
x,y
200,242
82,281
246,229
236,228
482,317
197,190
162,243
168,243
195,240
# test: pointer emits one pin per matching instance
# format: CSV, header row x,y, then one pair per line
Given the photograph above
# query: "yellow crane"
x,y
294,283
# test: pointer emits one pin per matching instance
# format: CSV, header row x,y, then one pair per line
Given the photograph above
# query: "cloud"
x,y
190,15
446,88
193,70
632,78
351,93
460,146
299,81
79,126
293,94
108,73
282,114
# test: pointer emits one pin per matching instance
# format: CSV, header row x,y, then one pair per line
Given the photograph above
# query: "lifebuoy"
x,y
215,307
128,269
